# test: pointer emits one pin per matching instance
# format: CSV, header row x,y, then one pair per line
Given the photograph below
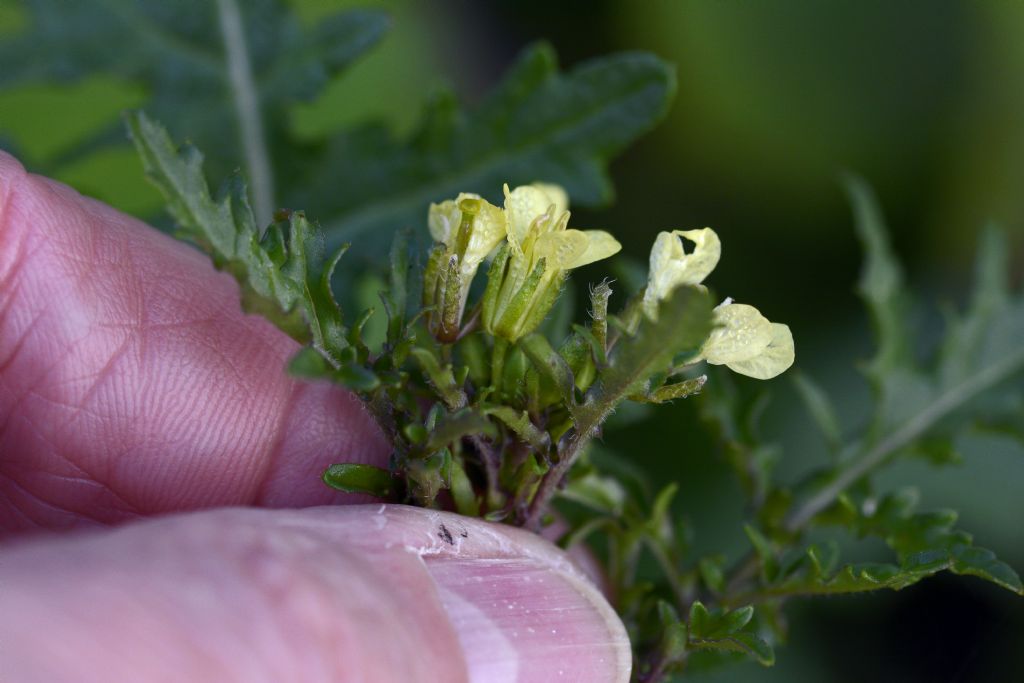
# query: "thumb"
x,y
361,593
131,383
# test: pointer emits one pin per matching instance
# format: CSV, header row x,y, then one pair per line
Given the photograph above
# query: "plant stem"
x,y
912,429
498,354
489,458
247,109
549,484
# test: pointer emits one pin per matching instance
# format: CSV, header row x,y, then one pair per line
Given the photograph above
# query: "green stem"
x,y
498,354
247,109
911,430
942,406
549,484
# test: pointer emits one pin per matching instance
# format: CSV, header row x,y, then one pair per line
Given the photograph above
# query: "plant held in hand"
x,y
492,396
490,406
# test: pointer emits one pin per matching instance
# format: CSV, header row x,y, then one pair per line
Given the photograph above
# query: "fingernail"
x,y
521,621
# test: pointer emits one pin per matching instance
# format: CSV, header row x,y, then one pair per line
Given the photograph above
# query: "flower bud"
x,y
465,231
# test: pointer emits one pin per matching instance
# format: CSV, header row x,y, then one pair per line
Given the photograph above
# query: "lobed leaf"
x,y
721,630
684,322
189,55
283,272
538,123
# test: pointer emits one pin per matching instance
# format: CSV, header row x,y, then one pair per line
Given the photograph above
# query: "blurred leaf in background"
x,y
233,76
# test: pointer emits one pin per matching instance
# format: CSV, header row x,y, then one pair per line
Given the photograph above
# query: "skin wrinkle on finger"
x,y
356,593
127,358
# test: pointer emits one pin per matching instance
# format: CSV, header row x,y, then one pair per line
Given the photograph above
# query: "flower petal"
x,y
600,245
706,253
666,255
443,220
522,206
486,231
557,196
776,358
671,266
561,249
741,333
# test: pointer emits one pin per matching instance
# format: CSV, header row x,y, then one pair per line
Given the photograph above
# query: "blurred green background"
x,y
775,100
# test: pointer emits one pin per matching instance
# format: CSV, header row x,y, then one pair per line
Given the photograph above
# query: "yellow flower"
x,y
473,241
746,342
466,229
743,340
671,266
527,274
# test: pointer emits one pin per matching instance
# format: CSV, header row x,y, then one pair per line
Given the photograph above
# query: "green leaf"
x,y
453,427
600,493
684,322
734,418
712,573
674,633
881,282
721,630
975,378
428,476
765,552
465,498
749,644
821,410
670,392
519,422
309,363
355,478
925,544
928,542
307,272
285,269
356,377
550,365
223,73
537,123
984,564
440,376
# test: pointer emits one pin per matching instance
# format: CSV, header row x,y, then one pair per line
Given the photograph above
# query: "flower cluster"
x,y
743,340
537,249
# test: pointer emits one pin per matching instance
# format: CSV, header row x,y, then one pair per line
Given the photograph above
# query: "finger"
x,y
358,593
131,382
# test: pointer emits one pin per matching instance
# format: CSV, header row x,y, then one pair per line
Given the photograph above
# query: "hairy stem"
x,y
491,461
247,109
549,484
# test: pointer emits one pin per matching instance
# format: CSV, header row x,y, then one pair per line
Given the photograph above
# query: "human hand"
x,y
131,385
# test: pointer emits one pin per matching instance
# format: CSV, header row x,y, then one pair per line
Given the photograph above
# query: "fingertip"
x,y
323,425
522,609
520,620
121,333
